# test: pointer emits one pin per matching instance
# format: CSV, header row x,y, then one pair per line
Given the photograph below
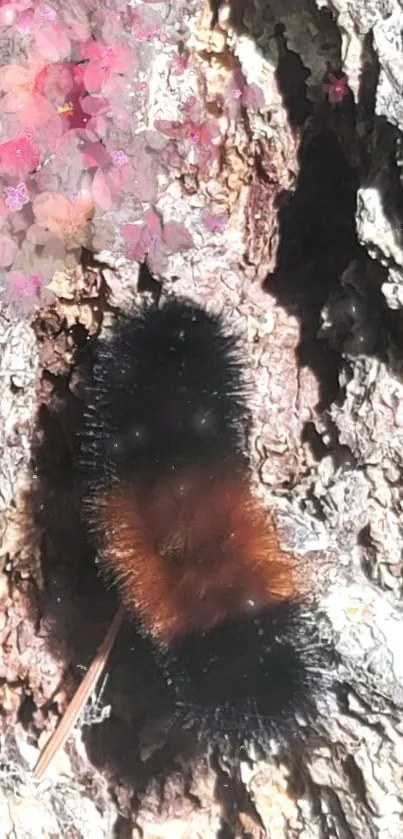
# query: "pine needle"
x,y
73,711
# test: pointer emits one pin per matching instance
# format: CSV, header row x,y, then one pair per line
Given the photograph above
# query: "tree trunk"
x,y
310,271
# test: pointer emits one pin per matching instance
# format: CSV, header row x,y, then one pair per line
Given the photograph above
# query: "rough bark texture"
x,y
311,271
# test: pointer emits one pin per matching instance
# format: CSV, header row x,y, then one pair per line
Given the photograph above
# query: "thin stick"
x,y
73,711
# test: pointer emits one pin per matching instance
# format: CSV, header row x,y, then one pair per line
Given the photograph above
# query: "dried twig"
x,y
60,735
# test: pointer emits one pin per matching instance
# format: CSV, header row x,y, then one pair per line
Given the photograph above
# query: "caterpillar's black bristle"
x,y
168,388
246,678
169,501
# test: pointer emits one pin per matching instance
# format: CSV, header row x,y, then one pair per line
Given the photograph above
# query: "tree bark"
x,y
310,271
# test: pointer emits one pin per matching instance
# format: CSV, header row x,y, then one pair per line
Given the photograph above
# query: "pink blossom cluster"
x,y
72,156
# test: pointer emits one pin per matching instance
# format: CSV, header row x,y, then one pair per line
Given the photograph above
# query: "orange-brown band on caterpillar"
x,y
192,550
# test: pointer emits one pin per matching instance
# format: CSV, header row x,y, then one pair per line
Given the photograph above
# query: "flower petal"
x,y
95,74
153,222
176,236
8,14
52,43
157,259
94,104
37,234
100,191
132,233
170,128
253,97
55,81
12,76
20,156
8,251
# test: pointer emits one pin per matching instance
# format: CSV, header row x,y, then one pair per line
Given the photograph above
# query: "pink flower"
x,y
104,113
18,82
145,23
151,241
26,292
56,217
20,156
337,89
63,172
119,173
48,14
196,136
24,100
179,63
16,197
60,215
51,39
128,173
253,97
55,82
232,95
138,238
108,179
16,77
24,24
107,66
75,21
214,223
8,14
237,93
62,84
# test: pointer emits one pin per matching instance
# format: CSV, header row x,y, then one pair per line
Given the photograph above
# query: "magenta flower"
x,y
62,85
151,241
26,292
337,89
16,197
119,158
